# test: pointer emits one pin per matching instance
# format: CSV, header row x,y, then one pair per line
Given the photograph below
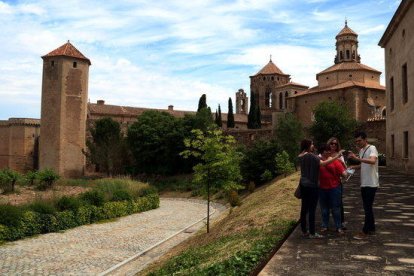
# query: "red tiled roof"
x,y
291,83
345,66
67,50
346,31
347,84
270,69
127,111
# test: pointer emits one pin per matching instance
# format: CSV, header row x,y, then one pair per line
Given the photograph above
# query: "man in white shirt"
x,y
368,156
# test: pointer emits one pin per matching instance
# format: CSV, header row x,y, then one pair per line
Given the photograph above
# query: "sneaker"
x,y
324,230
361,236
340,232
343,226
316,236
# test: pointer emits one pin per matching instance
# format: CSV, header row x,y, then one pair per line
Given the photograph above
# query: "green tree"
x,y
107,149
230,115
202,102
8,179
218,119
219,162
283,163
289,133
254,117
259,158
333,119
155,140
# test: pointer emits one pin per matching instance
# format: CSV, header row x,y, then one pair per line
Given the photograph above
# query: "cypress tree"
x,y
230,115
219,119
252,112
202,102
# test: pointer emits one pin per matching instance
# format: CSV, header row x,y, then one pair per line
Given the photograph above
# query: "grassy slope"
x,y
268,212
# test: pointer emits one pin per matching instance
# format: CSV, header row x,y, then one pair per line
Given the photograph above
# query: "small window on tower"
x,y
52,63
75,64
350,76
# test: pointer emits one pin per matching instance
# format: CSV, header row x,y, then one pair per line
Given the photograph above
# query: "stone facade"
x,y
398,43
63,111
348,82
271,87
19,144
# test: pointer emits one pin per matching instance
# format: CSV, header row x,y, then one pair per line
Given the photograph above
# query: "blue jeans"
x,y
330,199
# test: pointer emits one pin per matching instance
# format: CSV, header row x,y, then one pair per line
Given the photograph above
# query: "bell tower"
x,y
347,45
63,111
242,105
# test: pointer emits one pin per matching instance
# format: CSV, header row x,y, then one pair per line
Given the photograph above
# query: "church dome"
x,y
346,31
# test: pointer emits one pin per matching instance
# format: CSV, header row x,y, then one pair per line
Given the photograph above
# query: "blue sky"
x,y
157,53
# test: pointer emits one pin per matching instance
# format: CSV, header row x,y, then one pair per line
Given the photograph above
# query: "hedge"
x,y
32,223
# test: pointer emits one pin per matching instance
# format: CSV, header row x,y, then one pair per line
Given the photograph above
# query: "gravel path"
x,y
93,249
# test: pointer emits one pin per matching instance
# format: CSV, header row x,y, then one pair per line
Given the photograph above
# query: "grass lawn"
x,y
241,239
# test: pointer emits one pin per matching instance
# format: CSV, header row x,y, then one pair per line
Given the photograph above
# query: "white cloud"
x,y
376,29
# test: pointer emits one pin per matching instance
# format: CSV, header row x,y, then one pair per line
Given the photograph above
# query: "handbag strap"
x,y
365,151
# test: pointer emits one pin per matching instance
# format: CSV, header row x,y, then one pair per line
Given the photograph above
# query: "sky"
x,y
170,52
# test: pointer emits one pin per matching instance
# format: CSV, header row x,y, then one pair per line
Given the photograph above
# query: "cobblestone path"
x,y
92,249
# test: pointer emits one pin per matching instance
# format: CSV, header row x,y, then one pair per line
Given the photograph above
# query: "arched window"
x,y
281,100
347,54
286,96
341,55
268,97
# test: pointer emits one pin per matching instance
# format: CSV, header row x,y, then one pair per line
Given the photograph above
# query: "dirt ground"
x,y
28,194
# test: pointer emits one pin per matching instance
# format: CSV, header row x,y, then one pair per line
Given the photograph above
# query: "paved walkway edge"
x,y
130,259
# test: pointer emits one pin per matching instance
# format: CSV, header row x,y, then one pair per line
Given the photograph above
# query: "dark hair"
x,y
323,147
305,144
361,134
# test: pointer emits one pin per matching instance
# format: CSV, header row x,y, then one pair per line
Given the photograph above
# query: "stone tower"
x,y
63,111
242,104
264,85
347,45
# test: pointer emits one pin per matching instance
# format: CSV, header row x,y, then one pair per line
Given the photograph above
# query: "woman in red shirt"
x,y
330,189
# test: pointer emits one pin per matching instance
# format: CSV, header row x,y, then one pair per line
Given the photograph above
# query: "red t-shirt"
x,y
329,175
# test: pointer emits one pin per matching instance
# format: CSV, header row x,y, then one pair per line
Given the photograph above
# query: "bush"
x,y
47,179
42,207
233,198
257,159
266,176
31,177
121,195
8,179
10,215
283,164
94,197
382,161
68,203
17,222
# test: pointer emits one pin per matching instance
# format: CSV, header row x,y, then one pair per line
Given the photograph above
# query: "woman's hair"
x,y
338,147
323,147
305,145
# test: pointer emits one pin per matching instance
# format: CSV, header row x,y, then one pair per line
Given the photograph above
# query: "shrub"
x,y
233,198
31,223
8,179
42,207
259,158
47,179
283,164
266,176
382,161
66,220
94,197
68,203
121,195
31,177
10,215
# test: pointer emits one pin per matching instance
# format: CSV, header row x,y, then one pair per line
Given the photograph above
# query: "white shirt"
x,y
369,173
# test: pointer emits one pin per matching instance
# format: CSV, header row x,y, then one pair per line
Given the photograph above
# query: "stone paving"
x,y
389,252
93,249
